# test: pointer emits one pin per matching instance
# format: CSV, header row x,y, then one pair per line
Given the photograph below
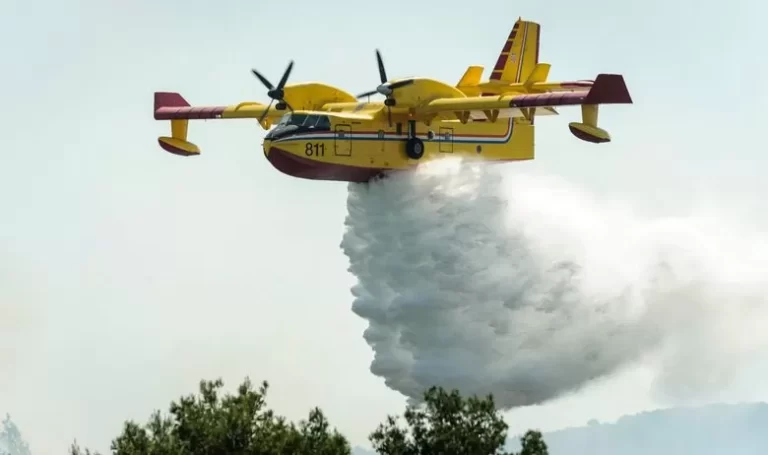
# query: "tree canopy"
x,y
447,423
210,424
241,423
11,442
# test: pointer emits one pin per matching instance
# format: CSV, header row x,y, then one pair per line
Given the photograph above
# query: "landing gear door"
x,y
342,140
446,140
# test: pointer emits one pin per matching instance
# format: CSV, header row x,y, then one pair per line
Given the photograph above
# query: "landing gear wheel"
x,y
414,148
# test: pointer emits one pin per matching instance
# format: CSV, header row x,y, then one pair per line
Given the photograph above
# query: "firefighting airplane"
x,y
327,134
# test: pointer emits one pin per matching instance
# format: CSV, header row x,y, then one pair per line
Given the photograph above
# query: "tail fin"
x,y
520,53
471,77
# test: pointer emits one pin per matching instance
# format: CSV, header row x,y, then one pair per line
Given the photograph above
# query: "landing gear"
x,y
414,147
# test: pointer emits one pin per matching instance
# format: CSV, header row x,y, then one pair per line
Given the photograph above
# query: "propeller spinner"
x,y
386,88
275,93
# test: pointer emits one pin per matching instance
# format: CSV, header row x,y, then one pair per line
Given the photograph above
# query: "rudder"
x,y
520,53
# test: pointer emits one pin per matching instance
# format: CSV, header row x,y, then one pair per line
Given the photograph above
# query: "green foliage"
x,y
533,443
208,424
446,424
75,449
11,440
240,423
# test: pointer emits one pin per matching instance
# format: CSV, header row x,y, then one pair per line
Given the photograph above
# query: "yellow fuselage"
x,y
354,149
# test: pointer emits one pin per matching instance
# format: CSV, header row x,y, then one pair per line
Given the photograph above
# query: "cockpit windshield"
x,y
306,120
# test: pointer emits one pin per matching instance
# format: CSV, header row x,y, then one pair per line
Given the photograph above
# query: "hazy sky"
x,y
128,274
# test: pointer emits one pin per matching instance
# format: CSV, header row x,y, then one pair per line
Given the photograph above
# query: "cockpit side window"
x,y
310,120
323,123
320,122
285,119
298,119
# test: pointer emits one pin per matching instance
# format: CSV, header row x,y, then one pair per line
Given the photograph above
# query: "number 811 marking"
x,y
316,149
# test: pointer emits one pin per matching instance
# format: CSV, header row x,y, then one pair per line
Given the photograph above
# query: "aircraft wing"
x,y
606,89
172,106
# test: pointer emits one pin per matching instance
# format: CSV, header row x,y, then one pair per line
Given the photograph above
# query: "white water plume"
x,y
526,288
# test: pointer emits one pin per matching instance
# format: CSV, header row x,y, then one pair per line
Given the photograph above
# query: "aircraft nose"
x,y
267,146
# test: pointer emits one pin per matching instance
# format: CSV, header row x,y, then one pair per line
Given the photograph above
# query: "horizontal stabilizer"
x,y
471,77
540,73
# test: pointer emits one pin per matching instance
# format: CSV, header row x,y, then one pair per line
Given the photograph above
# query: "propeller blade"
x,y
386,88
372,92
287,73
382,72
263,79
275,93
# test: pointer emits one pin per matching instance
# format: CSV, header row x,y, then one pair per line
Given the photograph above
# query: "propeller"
x,y
275,93
386,88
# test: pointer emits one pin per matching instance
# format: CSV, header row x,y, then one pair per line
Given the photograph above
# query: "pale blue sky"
x,y
129,274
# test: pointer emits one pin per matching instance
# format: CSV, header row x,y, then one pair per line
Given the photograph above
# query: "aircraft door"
x,y
446,140
342,140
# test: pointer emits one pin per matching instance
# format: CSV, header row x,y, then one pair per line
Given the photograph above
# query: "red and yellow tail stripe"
x,y
520,53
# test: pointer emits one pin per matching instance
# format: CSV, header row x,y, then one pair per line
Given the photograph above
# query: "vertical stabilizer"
x,y
520,53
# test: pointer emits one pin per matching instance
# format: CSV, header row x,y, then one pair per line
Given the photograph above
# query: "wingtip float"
x,y
322,132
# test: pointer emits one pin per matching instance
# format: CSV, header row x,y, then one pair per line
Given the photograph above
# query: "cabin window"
x,y
320,122
298,119
323,123
306,120
292,119
311,120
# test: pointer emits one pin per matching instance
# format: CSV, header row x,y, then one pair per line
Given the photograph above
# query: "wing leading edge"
x,y
606,89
